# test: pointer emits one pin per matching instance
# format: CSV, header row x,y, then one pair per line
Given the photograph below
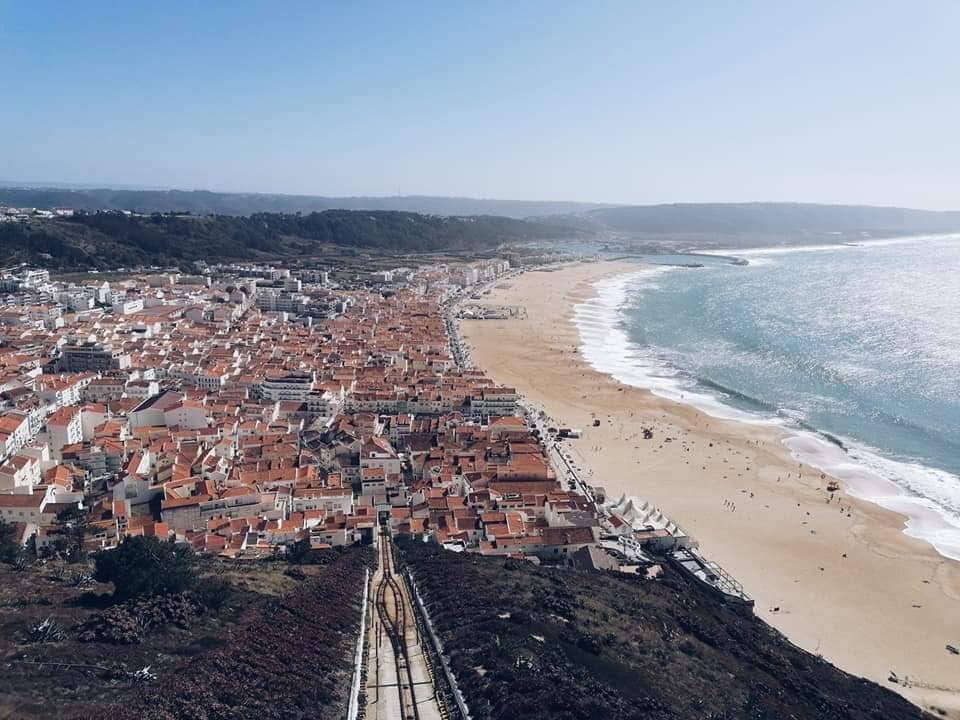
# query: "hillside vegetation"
x,y
109,240
220,203
292,659
71,648
557,644
733,218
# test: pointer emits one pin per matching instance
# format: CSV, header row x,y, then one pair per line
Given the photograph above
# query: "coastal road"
x,y
400,683
566,460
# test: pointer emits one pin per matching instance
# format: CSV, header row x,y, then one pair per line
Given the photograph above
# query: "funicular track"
x,y
397,618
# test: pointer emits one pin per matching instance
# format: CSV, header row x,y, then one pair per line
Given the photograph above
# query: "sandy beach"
x,y
845,581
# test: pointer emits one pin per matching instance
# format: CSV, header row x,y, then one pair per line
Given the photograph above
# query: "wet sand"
x,y
848,584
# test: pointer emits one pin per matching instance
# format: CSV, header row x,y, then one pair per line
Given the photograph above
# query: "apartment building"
x,y
91,356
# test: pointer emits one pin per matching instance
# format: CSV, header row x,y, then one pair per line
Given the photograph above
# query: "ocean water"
x,y
854,350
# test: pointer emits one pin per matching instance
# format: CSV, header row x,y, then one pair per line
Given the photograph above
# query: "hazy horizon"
x,y
612,103
81,187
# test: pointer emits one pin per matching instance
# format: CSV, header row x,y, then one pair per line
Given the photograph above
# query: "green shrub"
x,y
143,566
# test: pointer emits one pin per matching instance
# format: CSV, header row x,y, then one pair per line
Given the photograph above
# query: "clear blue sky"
x,y
841,101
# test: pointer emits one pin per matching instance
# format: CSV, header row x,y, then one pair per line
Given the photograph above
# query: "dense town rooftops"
x,y
250,426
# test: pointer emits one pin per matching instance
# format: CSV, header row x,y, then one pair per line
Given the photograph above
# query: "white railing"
x,y
354,707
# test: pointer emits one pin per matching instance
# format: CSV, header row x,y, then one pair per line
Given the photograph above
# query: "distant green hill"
x,y
205,202
106,240
780,218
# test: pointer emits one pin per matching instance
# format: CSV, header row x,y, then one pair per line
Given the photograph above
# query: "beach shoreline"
x,y
827,572
863,471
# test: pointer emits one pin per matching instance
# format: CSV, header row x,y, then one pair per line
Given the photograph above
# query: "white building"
x,y
60,394
378,453
19,474
64,427
187,415
128,307
150,413
496,401
332,500
295,387
15,432
23,507
76,299
35,278
324,404
273,300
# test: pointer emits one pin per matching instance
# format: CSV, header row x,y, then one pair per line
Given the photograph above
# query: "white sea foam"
x,y
925,496
605,346
929,498
754,255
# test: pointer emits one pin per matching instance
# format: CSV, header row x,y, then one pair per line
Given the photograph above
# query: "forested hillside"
x,y
110,239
